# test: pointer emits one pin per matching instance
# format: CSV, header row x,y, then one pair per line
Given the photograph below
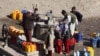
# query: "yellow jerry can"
x,y
33,47
90,50
13,15
10,29
16,33
21,31
27,48
20,16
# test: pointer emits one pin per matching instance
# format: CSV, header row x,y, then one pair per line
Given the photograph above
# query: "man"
x,y
28,25
49,15
36,15
78,14
58,39
70,20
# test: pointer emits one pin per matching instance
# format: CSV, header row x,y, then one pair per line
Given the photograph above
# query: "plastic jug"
x,y
80,37
19,16
90,50
33,47
74,53
13,15
27,48
78,53
85,52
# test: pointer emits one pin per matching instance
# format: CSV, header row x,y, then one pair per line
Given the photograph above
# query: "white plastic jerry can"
x,y
78,53
74,53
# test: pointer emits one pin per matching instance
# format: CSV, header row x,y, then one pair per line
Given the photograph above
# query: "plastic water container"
x,y
77,53
90,50
13,15
19,16
85,52
33,47
27,48
79,37
74,53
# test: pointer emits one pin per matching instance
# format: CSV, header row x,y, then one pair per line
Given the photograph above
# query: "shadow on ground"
x,y
87,42
4,53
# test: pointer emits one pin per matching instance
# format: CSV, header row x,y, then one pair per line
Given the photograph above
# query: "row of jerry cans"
x,y
88,51
26,46
14,31
96,42
17,15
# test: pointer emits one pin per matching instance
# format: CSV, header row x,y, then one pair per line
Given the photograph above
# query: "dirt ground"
x,y
87,27
89,8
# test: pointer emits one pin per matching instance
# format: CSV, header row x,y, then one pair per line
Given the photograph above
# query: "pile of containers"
x,y
17,15
14,31
88,51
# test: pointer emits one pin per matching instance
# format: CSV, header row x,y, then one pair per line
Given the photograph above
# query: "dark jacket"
x,y
36,17
28,22
78,15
